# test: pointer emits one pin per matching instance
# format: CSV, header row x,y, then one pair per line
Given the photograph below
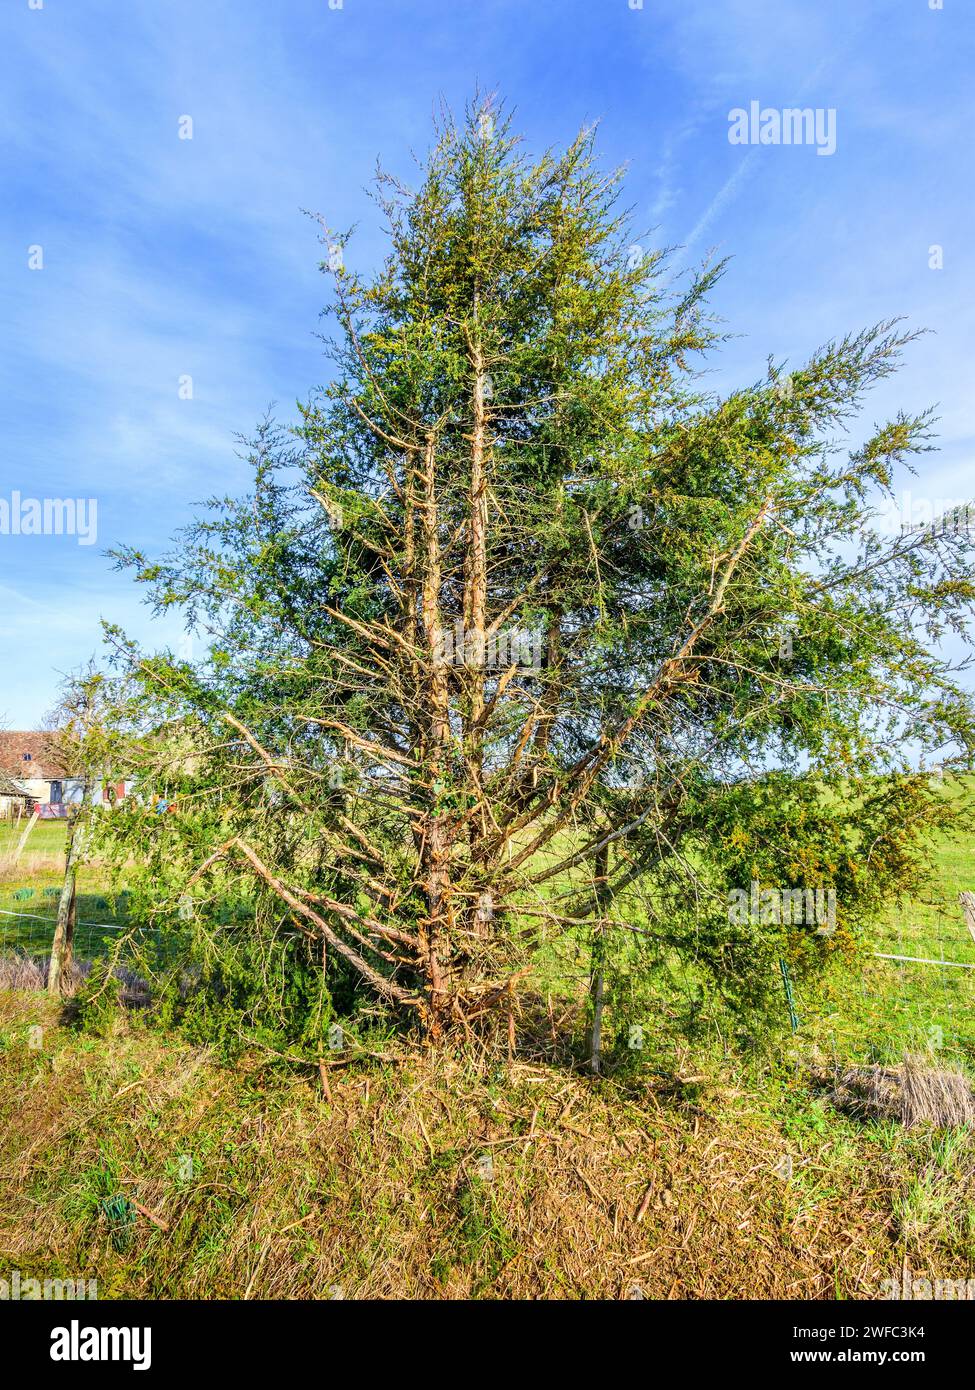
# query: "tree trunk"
x,y
598,988
437,926
62,948
435,853
475,564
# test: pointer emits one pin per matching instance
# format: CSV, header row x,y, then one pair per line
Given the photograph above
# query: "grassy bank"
x,y
438,1179
690,1173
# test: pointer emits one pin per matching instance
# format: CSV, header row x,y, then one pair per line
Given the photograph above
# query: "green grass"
x,y
760,1184
31,888
860,1011
47,837
867,1010
267,1189
889,1007
32,928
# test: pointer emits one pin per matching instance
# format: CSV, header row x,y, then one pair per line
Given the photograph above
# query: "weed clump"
x,y
913,1093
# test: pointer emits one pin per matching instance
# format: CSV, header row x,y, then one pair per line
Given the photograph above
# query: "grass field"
x,y
45,842
450,1177
439,1178
890,1007
886,1008
31,885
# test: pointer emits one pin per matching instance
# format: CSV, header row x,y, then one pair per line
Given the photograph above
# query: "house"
x,y
31,762
14,801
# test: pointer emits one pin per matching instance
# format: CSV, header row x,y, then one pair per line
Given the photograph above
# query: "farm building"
x,y
30,762
14,801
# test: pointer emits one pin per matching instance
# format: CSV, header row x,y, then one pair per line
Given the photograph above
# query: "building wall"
x,y
72,789
36,787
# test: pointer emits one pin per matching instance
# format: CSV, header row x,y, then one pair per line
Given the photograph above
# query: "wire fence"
x,y
30,931
915,993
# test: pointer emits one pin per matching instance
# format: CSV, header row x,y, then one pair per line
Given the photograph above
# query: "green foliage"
x,y
270,996
735,669
95,1005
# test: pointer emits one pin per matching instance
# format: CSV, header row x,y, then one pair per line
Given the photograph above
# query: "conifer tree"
x,y
524,632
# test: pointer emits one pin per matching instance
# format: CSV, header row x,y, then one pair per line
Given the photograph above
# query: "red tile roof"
x,y
43,754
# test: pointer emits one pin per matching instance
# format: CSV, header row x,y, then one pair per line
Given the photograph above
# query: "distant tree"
x,y
522,632
81,736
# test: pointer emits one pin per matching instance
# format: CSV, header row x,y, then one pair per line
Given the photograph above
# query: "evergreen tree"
x,y
521,626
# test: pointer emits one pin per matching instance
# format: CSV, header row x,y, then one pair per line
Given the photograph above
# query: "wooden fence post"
x,y
967,901
62,947
23,839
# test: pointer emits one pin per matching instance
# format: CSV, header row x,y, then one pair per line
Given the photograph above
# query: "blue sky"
x,y
165,257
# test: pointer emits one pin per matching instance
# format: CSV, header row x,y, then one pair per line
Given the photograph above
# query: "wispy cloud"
x,y
167,258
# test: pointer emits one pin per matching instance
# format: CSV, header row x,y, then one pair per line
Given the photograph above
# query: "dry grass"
x,y
22,971
423,1177
31,864
915,1093
930,1095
